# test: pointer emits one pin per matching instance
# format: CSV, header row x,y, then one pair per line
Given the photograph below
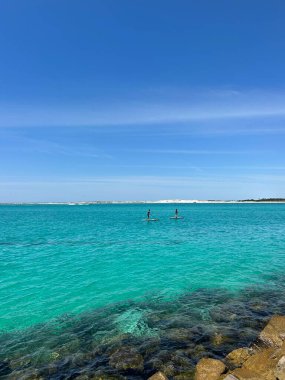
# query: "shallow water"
x,y
77,282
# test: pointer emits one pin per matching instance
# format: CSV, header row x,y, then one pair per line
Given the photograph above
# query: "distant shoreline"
x,y
165,201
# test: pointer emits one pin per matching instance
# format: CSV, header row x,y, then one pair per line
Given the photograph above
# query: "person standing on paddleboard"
x,y
176,213
148,214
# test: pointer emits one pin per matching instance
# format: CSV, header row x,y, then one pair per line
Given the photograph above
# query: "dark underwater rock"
x,y
149,347
106,376
194,326
188,375
5,368
31,374
178,334
218,339
127,358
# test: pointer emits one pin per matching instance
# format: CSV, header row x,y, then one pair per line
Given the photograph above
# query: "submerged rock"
x,y
209,369
25,375
83,377
188,375
149,347
274,332
178,334
197,352
5,368
105,377
127,358
169,369
158,376
218,339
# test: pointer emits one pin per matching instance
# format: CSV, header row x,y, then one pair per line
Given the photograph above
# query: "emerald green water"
x,y
60,259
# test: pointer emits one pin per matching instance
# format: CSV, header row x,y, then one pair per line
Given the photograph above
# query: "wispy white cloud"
x,y
200,151
213,130
144,187
227,186
212,105
153,180
43,146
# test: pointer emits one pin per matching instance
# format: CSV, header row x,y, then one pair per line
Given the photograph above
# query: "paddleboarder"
x,y
148,214
176,213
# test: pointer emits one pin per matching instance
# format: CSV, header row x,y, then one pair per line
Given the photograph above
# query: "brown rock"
x,y
280,351
280,369
158,376
127,358
239,356
244,374
261,364
209,369
274,332
229,377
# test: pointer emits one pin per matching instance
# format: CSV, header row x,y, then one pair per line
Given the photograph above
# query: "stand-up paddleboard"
x,y
177,217
151,220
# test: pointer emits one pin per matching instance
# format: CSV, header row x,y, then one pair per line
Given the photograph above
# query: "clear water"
x,y
67,267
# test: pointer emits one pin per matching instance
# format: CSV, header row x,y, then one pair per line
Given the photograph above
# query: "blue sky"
x,y
141,99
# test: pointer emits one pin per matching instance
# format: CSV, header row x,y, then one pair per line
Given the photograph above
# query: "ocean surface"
x,y
78,283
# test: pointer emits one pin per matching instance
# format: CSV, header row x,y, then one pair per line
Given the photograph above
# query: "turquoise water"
x,y
58,259
85,264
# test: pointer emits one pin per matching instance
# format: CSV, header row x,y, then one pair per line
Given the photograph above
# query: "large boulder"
x,y
260,366
127,358
238,357
209,369
265,364
280,369
244,374
274,332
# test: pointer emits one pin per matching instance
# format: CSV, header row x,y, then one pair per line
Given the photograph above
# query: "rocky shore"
x,y
203,335
264,360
